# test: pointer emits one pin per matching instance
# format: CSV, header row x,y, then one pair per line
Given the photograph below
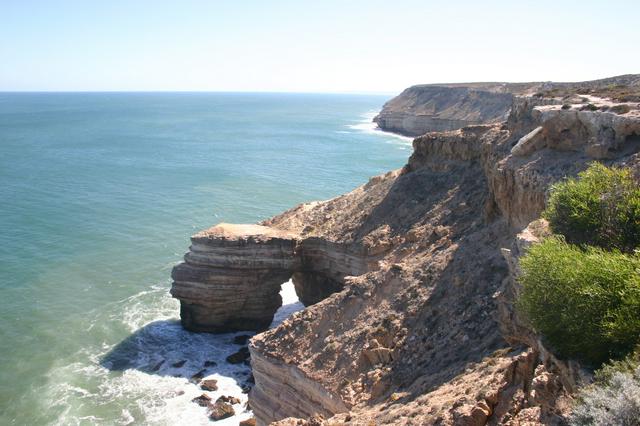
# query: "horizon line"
x,y
380,93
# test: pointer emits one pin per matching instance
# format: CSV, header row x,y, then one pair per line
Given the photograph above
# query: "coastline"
x,y
393,266
105,213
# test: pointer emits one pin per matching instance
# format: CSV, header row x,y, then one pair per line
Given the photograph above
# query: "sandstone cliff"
x,y
440,107
409,279
437,108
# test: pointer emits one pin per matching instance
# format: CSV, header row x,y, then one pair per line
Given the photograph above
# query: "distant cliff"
x,y
441,107
437,108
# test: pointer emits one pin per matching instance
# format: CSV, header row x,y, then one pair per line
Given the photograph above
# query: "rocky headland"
x,y
441,107
409,280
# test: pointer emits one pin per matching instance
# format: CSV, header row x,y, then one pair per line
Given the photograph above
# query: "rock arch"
x,y
230,278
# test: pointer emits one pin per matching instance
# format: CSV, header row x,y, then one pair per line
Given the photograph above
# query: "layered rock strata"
x,y
441,107
437,108
417,325
231,277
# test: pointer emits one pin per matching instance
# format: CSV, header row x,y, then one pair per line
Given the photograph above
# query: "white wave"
x,y
366,125
145,378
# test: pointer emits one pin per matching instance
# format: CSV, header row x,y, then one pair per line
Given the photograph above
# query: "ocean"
x,y
99,193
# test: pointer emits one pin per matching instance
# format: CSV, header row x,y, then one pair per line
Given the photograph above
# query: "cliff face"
x,y
422,109
410,279
441,107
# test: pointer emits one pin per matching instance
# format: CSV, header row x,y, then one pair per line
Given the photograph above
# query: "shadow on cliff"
x,y
456,325
164,348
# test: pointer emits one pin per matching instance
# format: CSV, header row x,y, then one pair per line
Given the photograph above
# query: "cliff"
x,y
409,280
441,107
438,108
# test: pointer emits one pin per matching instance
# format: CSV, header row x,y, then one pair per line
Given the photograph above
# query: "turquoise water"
x,y
99,193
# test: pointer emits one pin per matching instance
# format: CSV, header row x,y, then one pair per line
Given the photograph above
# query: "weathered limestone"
x,y
597,134
437,108
283,390
322,267
421,328
231,277
529,143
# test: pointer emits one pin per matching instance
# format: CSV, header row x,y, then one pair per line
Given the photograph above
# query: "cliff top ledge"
x,y
428,108
232,231
623,88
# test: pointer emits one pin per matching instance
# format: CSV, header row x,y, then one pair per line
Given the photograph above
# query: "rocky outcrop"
x,y
441,107
410,278
231,277
285,390
596,130
436,108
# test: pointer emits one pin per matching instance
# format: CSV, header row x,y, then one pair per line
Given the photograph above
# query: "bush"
x,y
584,301
615,402
627,365
601,207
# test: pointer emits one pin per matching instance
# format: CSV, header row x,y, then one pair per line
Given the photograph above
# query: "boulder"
x,y
203,400
221,410
228,399
209,385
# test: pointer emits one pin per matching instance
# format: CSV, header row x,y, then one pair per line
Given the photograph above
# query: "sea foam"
x,y
367,125
146,378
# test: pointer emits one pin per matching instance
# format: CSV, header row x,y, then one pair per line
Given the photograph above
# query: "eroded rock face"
x,y
574,127
569,374
283,390
437,108
410,281
323,266
418,338
231,277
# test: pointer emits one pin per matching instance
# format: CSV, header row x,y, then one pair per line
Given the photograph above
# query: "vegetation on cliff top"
x,y
585,301
581,288
601,207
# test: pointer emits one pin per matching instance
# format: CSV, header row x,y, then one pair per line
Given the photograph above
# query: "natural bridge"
x,y
231,277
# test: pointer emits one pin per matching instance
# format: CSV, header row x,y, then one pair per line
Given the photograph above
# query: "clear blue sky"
x,y
314,46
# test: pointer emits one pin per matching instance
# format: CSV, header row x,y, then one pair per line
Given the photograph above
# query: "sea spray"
x,y
153,368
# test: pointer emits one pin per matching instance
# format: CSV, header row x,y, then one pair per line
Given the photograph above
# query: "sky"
x,y
309,46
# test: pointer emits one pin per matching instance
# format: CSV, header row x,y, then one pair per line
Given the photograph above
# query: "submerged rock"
x,y
203,400
198,376
157,366
241,339
239,357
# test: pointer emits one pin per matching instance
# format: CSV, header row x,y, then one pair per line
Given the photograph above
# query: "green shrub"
x,y
601,207
627,365
584,301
